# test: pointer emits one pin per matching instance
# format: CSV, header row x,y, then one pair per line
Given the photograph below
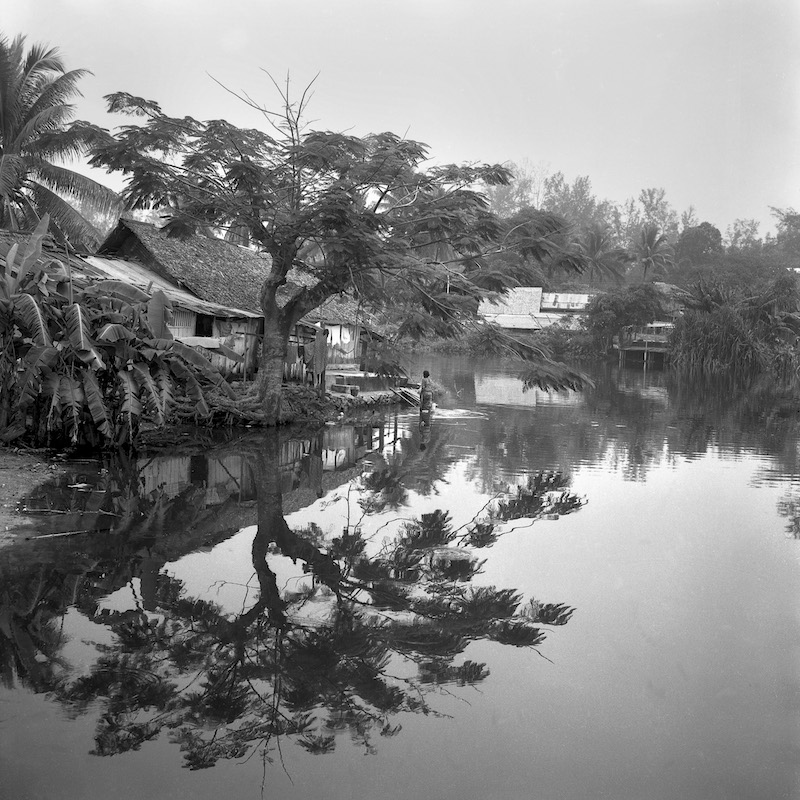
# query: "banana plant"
x,y
85,365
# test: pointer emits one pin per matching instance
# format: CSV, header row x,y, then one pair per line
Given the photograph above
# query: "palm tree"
x,y
652,250
602,255
34,112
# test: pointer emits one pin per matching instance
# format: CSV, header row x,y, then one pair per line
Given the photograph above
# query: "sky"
x,y
699,97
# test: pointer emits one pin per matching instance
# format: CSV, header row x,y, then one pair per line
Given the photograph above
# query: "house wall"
x,y
344,344
241,336
183,323
565,301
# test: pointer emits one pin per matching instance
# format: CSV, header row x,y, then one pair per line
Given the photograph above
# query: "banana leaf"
x,y
144,380
131,404
204,366
97,404
31,318
191,386
72,400
113,332
79,332
166,387
38,359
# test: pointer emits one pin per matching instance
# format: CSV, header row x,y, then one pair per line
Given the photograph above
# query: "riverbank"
x,y
21,471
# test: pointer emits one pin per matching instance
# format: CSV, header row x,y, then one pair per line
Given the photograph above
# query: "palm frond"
x,y
66,220
13,169
99,198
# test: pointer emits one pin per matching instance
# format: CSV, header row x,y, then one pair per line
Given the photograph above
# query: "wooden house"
x,y
214,286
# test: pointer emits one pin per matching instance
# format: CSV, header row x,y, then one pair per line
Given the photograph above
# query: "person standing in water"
x,y
425,395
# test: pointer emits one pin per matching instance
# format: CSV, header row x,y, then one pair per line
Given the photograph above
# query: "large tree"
x,y
335,212
35,88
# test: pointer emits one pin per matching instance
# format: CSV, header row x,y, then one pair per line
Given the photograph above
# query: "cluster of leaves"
x,y
87,364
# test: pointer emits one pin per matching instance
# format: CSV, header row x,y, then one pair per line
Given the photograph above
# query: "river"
x,y
575,596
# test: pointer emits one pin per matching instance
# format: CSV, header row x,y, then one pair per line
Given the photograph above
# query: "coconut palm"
x,y
602,256
652,250
34,134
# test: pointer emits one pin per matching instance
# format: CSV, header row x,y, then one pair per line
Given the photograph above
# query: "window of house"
x,y
204,325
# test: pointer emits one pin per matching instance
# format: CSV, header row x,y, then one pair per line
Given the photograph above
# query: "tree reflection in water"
x,y
369,636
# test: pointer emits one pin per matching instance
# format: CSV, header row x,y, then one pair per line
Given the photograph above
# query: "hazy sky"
x,y
701,97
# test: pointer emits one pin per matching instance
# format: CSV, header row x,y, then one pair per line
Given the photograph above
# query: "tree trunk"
x,y
270,369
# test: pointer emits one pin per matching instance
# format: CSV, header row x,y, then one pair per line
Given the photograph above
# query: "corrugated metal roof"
x,y
99,268
521,300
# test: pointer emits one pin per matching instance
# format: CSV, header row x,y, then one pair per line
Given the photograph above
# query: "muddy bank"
x,y
20,472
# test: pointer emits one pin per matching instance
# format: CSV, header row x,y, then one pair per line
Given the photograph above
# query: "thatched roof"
x,y
213,269
341,309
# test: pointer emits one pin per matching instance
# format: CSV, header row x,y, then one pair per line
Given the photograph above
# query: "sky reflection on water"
x,y
676,676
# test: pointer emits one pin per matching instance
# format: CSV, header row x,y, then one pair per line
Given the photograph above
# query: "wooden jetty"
x,y
648,344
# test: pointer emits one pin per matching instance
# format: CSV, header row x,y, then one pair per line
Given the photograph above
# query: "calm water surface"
x,y
570,596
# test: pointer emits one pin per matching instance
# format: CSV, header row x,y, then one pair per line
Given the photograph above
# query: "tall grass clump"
x,y
727,332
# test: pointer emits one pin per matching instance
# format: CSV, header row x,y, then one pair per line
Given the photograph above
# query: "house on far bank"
x,y
528,308
350,331
213,286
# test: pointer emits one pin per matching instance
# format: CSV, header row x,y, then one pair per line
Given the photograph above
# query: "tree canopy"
x,y
337,213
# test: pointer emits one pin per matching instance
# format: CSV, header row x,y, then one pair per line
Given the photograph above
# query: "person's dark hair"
x,y
425,374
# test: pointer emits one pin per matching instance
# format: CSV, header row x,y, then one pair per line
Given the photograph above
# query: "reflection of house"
x,y
213,286
506,390
528,308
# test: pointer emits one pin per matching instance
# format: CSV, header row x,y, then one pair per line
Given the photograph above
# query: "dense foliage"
x,y
84,365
